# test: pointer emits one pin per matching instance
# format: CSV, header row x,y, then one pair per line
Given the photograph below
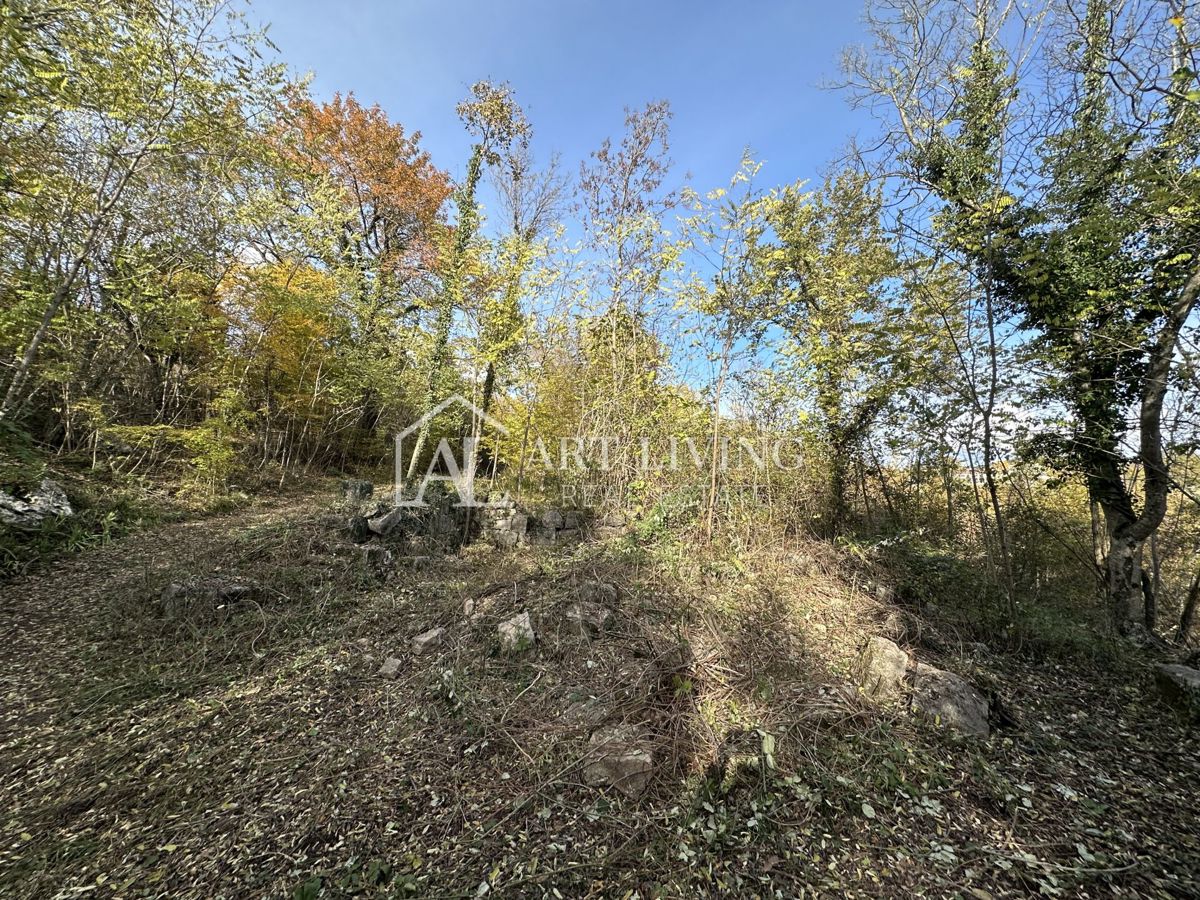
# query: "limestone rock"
x,y
516,634
950,700
619,756
541,536
883,666
584,712
1180,686
428,641
48,500
385,523
390,668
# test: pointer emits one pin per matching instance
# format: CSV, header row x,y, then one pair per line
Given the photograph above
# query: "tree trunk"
x,y
1189,611
1127,531
839,511
1124,580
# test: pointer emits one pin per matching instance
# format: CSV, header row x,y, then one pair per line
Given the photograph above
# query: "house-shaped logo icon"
x,y
463,478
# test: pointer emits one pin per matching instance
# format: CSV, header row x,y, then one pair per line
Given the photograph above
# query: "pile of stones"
x,y
506,525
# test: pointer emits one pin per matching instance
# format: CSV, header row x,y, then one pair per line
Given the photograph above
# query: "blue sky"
x,y
736,74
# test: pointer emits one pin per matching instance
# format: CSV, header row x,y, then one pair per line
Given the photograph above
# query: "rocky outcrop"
x,y
882,668
47,501
506,525
1180,686
439,524
951,700
619,756
943,697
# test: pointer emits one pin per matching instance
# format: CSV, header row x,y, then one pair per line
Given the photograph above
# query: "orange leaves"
x,y
391,192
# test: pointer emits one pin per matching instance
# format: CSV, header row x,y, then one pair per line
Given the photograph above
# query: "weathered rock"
x,y
356,489
541,536
203,595
1180,686
588,618
552,518
47,501
584,712
950,700
883,666
360,533
516,634
390,668
385,523
428,641
619,756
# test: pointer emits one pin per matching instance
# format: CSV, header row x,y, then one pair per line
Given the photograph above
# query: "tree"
x,y
726,233
190,81
624,201
1091,241
494,118
837,268
532,200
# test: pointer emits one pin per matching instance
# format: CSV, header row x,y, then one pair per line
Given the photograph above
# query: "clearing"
x,y
251,748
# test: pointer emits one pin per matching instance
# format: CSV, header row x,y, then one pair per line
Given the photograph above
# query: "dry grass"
x,y
253,751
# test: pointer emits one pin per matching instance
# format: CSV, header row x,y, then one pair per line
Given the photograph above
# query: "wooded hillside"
x,y
939,398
